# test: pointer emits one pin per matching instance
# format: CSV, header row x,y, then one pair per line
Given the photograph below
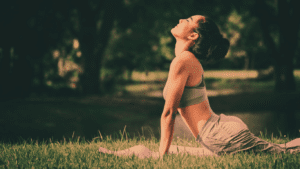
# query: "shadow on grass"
x,y
56,118
59,117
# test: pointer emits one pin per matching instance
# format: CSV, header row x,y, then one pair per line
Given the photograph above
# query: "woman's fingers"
x,y
104,150
155,155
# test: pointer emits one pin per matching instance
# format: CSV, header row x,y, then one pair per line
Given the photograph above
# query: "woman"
x,y
199,38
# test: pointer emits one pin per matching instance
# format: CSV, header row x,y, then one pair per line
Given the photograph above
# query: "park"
x,y
77,77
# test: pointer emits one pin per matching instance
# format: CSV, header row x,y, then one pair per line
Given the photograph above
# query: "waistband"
x,y
213,118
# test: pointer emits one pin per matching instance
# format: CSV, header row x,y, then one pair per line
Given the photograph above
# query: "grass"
x,y
76,153
79,153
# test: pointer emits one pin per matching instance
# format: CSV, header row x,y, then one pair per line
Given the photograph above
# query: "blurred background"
x,y
74,68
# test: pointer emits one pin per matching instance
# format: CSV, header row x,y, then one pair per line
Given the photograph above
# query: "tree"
x,y
149,43
287,22
92,24
93,42
23,33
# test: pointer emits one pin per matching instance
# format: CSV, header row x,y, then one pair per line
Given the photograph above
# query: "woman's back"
x,y
194,115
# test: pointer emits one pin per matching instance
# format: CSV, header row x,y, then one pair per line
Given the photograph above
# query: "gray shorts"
x,y
229,134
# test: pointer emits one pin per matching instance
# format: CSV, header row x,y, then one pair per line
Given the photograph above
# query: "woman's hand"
x,y
155,155
161,153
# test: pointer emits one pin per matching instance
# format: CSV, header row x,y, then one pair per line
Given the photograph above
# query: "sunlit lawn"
x,y
76,153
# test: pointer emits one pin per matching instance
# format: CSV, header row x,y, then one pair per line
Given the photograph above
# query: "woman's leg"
x,y
292,146
140,151
191,151
143,152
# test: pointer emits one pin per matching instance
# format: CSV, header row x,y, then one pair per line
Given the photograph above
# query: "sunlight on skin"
x,y
140,151
184,33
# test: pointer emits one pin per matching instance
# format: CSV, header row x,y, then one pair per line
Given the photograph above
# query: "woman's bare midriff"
x,y
195,116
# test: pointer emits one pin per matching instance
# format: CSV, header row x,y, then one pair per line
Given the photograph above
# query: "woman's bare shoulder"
x,y
187,55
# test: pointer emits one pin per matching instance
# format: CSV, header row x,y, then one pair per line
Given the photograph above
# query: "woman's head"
x,y
209,44
185,29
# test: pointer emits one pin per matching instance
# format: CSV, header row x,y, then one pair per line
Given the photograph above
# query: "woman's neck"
x,y
182,46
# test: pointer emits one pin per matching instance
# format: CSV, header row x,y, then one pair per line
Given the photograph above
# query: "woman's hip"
x,y
229,134
222,133
222,127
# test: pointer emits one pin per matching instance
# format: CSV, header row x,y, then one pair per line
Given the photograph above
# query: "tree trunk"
x,y
247,63
252,61
284,75
288,31
5,72
288,22
90,77
129,74
93,45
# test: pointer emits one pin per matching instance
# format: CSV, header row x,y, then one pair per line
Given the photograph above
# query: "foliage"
x,y
140,37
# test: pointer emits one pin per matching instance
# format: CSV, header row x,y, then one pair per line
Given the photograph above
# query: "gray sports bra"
x,y
191,95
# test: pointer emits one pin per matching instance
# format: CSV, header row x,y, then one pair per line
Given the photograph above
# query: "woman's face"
x,y
186,27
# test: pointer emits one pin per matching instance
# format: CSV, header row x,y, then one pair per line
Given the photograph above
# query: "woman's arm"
x,y
167,131
140,151
177,79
